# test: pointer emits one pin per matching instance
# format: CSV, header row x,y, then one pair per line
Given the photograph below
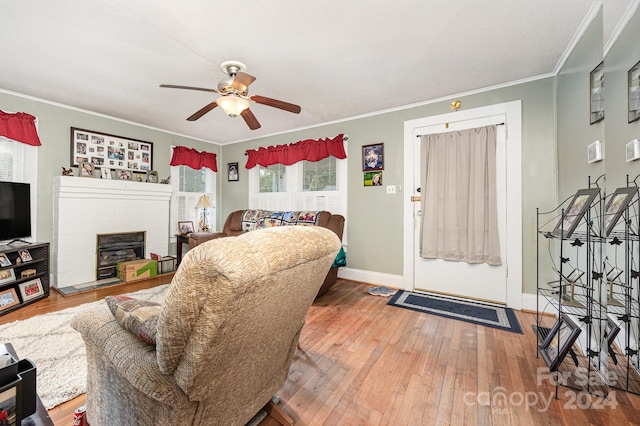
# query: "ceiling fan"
x,y
234,99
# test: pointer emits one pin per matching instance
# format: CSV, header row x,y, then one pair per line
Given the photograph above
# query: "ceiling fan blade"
x,y
250,119
276,104
203,89
202,111
242,81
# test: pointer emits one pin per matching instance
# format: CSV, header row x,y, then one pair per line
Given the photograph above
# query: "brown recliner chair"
x,y
233,227
226,333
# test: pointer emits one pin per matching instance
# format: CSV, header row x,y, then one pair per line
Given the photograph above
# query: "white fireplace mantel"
x,y
86,207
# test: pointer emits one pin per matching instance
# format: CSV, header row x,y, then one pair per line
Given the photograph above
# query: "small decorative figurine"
x,y
67,172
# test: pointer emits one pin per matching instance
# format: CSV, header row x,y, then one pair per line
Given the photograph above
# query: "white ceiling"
x,y
335,58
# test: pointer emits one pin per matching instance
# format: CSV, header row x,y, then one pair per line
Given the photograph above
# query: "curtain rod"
x,y
499,124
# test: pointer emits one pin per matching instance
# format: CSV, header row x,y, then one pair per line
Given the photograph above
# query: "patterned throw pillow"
x,y
138,316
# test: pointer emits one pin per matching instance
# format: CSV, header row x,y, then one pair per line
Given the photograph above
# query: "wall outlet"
x,y
391,189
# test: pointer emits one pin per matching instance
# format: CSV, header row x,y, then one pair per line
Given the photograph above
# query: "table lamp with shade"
x,y
204,203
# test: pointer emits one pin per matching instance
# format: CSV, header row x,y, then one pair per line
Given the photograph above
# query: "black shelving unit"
x,y
20,278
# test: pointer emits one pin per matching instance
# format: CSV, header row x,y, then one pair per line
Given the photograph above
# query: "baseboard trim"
x,y
543,306
370,277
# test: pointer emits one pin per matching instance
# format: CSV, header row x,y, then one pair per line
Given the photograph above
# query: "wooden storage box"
x,y
137,269
166,264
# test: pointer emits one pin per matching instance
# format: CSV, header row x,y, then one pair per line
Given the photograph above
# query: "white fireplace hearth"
x,y
86,207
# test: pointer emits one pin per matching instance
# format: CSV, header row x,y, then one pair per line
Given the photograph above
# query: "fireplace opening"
x,y
117,247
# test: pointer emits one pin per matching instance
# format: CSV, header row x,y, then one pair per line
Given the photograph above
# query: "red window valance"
x,y
310,150
183,156
20,127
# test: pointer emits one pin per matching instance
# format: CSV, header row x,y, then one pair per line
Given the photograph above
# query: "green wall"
x,y
54,129
375,219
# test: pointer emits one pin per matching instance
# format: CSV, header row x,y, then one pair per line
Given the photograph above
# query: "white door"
x,y
476,281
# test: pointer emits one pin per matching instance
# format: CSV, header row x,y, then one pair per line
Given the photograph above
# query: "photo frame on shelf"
x,y
4,260
574,212
616,205
105,173
185,227
9,397
373,157
8,298
123,174
596,94
139,176
7,275
115,152
633,78
25,256
31,289
559,341
86,169
232,172
152,176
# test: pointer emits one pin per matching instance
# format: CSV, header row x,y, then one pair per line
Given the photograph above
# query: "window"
x,y
320,185
189,186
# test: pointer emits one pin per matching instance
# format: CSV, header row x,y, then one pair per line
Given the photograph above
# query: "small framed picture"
x,y
85,169
124,174
232,172
31,289
140,176
573,214
372,178
185,227
105,173
4,260
596,83
25,255
152,176
7,275
373,157
617,204
559,341
8,298
633,77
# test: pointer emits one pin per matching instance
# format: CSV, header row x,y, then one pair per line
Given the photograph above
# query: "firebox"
x,y
117,247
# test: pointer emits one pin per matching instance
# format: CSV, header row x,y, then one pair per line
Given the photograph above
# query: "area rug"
x,y
489,315
58,350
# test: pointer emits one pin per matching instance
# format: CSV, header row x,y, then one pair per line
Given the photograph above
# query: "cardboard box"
x,y
137,269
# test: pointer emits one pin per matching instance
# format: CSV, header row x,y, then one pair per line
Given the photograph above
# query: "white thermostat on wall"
x,y
594,152
633,150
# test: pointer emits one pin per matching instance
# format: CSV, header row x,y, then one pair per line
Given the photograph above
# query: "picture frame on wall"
x,y
8,298
31,289
373,178
574,212
596,94
633,78
116,152
373,157
232,172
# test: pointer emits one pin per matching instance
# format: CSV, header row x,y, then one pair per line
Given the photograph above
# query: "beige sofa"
x,y
233,227
226,333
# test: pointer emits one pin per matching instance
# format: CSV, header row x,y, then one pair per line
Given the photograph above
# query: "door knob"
x,y
414,198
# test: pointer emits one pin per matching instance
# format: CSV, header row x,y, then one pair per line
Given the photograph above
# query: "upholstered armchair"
x,y
226,333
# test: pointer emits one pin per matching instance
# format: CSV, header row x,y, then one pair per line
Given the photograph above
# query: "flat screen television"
x,y
15,210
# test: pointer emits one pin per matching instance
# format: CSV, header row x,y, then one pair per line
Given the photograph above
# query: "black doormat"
x,y
494,316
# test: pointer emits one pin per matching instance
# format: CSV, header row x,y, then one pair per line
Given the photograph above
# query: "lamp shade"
x,y
204,203
232,105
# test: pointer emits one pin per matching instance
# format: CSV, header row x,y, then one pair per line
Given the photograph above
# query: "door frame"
x,y
513,120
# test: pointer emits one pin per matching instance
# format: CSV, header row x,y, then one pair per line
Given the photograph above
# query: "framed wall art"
x,y
232,172
373,157
114,152
618,202
633,77
596,86
31,289
372,178
8,298
572,215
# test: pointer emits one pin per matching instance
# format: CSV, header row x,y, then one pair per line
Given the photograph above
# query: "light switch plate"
x,y
391,189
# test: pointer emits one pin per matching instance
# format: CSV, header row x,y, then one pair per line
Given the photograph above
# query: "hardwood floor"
x,y
366,363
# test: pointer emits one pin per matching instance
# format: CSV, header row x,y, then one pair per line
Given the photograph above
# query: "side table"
x,y
180,240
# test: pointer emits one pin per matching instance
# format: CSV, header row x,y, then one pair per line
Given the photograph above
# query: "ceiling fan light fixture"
x,y
232,105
